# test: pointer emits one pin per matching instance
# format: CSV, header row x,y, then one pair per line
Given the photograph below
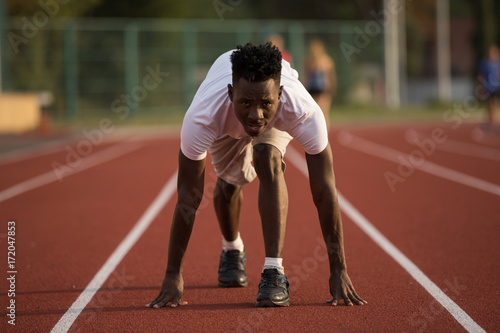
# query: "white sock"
x,y
237,244
277,263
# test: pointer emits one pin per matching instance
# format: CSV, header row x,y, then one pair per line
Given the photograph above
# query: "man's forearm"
x,y
322,182
190,185
331,227
180,232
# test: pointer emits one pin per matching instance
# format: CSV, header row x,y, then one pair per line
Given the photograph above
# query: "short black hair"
x,y
256,63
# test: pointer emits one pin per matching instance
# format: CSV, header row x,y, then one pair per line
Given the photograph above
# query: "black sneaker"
x,y
273,289
232,269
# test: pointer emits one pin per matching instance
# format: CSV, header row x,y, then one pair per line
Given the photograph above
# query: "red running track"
x,y
66,230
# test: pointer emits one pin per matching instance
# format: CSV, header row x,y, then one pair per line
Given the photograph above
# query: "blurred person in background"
x,y
320,76
278,41
489,79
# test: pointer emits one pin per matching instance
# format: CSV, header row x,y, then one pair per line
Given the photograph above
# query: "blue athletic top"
x,y
490,72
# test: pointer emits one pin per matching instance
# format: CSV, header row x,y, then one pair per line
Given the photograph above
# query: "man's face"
x,y
255,103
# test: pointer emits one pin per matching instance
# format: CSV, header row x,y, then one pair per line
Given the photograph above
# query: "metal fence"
x,y
102,66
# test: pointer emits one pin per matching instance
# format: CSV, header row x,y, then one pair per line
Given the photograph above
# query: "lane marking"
x,y
42,149
52,147
371,148
460,315
67,320
92,160
456,147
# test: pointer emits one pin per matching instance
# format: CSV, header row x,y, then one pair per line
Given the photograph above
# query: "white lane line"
x,y
456,147
460,315
64,324
42,149
92,160
393,155
55,146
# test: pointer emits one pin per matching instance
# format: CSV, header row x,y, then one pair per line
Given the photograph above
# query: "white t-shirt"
x,y
211,114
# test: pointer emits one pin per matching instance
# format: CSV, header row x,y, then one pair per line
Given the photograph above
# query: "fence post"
x,y
343,66
131,47
3,37
391,55
71,70
297,45
189,63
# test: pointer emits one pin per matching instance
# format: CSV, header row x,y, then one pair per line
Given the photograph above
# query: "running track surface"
x,y
421,237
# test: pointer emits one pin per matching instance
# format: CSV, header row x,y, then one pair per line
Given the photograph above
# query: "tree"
x,y
66,8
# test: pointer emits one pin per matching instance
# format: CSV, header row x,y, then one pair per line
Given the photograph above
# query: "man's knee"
x,y
267,161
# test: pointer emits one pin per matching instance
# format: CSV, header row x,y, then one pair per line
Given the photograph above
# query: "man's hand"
x,y
171,291
341,288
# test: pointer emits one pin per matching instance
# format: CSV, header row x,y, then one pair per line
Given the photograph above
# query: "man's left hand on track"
x,y
171,291
341,288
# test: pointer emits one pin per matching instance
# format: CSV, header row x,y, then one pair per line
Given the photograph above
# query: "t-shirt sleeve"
x,y
311,133
196,134
306,122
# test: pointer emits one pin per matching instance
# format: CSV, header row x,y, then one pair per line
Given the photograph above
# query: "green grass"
x,y
340,114
146,118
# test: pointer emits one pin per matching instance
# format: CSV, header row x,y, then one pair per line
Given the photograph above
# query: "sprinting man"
x,y
246,111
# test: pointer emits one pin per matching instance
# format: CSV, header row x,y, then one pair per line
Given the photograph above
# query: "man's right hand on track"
x,y
171,291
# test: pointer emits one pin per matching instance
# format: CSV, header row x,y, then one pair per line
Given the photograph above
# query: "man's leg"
x,y
273,197
492,110
273,209
228,199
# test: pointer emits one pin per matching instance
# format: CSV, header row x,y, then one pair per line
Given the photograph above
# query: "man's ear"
x,y
230,91
281,90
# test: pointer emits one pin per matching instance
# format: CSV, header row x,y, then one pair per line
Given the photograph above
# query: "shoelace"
x,y
271,279
231,261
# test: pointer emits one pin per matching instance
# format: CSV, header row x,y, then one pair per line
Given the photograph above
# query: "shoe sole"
x,y
267,303
232,284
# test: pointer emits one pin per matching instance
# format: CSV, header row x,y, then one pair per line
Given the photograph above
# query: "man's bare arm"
x,y
190,183
322,183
